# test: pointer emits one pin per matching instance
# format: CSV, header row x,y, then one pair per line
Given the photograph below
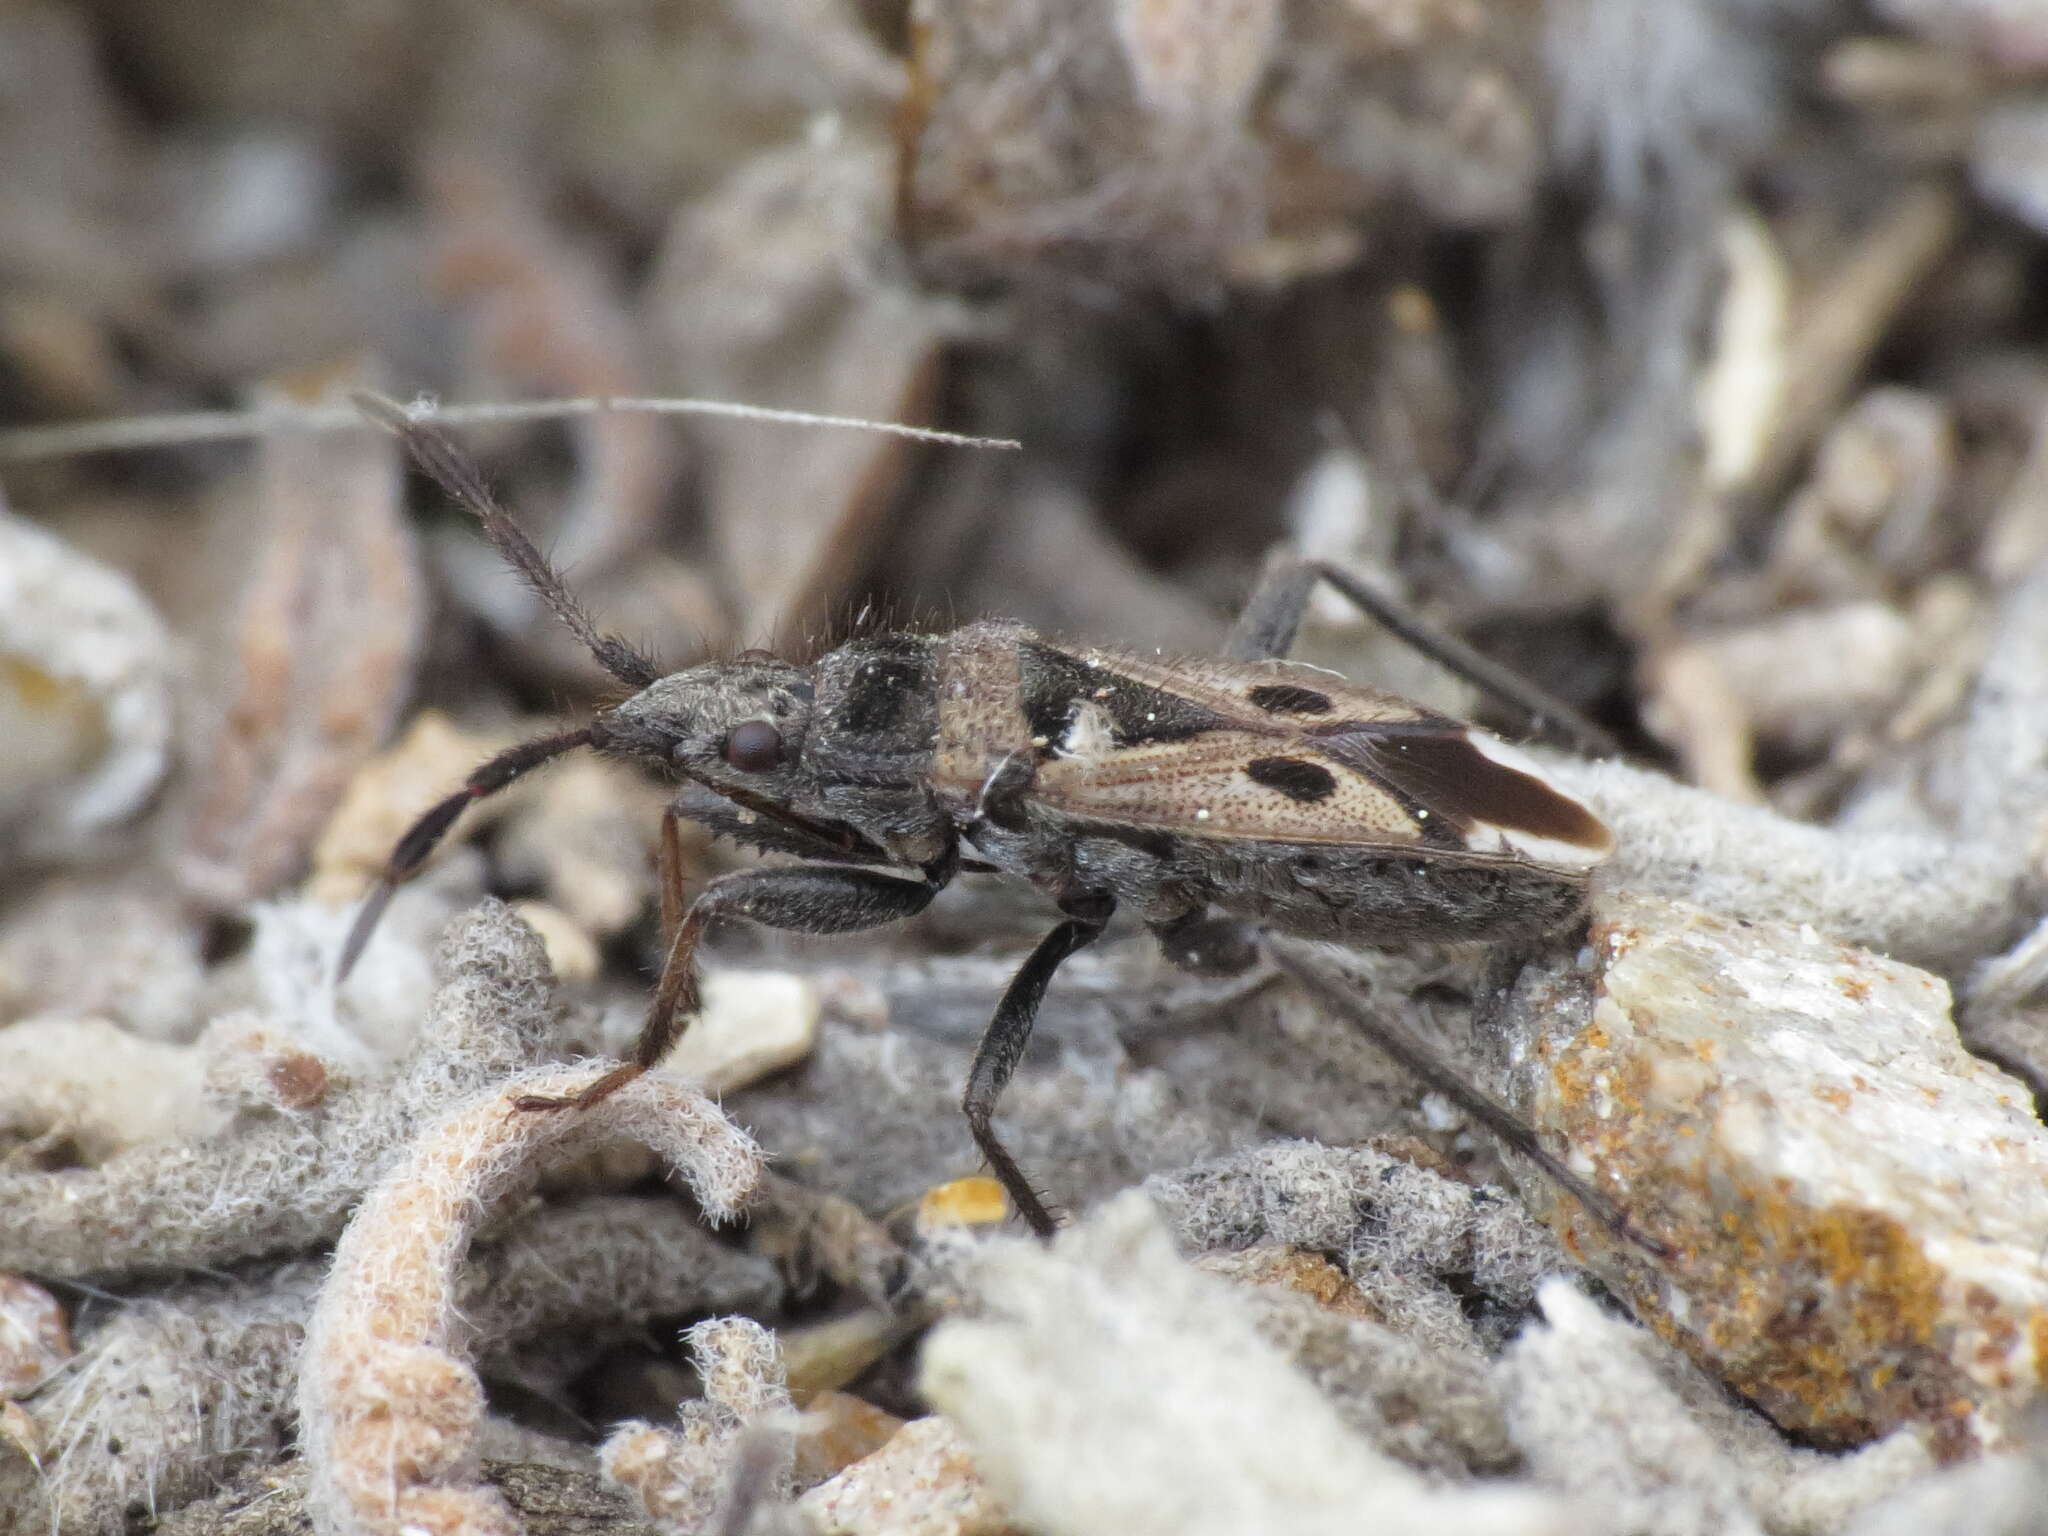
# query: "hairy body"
x,y
1179,788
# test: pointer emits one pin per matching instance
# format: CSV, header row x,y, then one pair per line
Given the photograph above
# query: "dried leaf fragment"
x,y
774,289
548,314
290,1181
330,627
33,1338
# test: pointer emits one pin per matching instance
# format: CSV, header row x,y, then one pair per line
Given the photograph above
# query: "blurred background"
x,y
1689,356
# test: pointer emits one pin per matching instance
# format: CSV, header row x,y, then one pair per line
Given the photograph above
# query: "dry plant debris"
x,y
835,1430
1693,367
388,1408
684,1477
168,1395
1605,1413
34,1341
774,289
923,1482
323,651
545,319
86,682
97,1089
1110,1388
289,1182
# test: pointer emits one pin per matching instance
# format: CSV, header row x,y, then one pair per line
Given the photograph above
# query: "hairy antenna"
x,y
425,834
454,471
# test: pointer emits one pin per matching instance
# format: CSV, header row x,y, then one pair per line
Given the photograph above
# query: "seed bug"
x,y
1244,786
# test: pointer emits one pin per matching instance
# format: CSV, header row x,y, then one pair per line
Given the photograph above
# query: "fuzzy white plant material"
x,y
389,1409
1604,1410
371,1023
1111,1390
289,1183
1433,1409
100,1091
1594,1420
97,1088
733,1446
1997,1496
171,1393
1415,1243
249,1066
168,1396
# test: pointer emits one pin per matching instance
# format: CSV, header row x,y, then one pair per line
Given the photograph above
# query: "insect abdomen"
x,y
1364,897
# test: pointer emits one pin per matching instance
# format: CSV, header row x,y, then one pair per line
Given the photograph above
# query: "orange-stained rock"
x,y
1857,1207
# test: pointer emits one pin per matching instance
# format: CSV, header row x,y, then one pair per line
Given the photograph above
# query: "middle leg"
x,y
1002,1046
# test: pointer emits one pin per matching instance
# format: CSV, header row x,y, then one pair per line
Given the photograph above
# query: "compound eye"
x,y
754,747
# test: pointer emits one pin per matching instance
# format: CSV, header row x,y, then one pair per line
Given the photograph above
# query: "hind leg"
x,y
1272,617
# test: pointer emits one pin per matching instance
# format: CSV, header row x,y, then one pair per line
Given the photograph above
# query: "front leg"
x,y
804,898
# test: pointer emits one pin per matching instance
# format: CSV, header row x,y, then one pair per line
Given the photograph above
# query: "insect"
x,y
1189,792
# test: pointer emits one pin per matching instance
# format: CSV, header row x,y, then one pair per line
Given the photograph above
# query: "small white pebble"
x,y
753,1023
1440,1114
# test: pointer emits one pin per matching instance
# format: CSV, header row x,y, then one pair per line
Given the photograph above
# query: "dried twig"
x,y
388,1409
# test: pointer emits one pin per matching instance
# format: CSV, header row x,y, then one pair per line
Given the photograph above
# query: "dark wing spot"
x,y
1442,771
1287,699
1055,684
1296,779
